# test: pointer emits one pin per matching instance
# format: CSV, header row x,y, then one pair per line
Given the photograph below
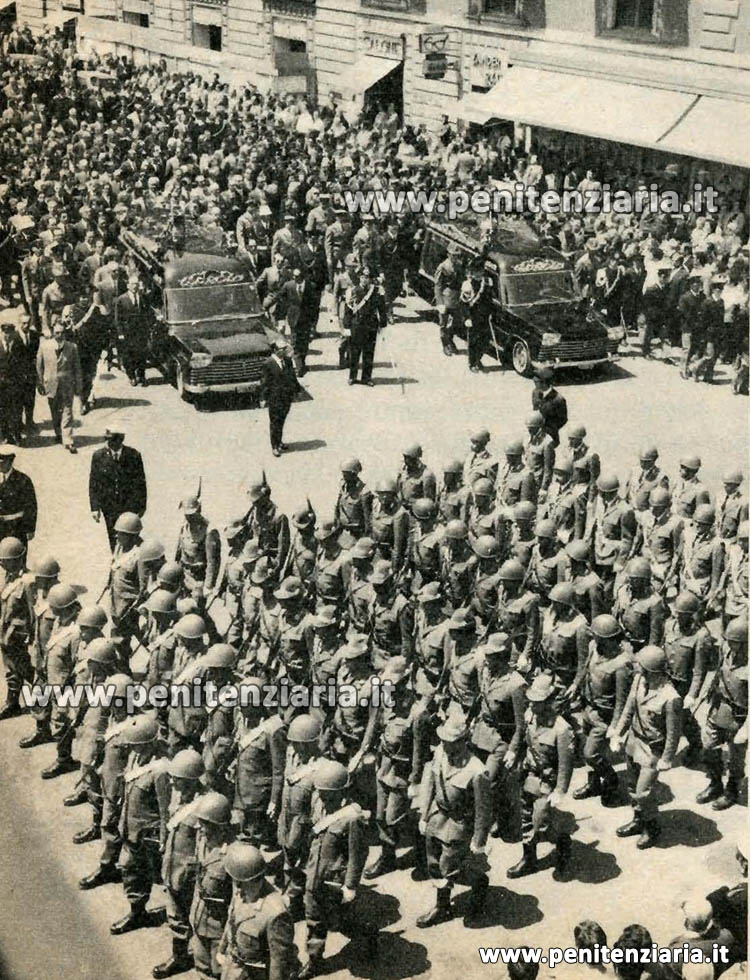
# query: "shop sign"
x,y
486,68
401,6
383,45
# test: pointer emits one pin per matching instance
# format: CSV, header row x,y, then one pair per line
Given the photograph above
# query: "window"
x,y
502,8
644,21
207,36
526,13
637,14
138,20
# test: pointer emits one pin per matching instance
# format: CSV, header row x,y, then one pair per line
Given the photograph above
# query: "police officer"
x,y
604,691
689,649
178,863
338,852
455,806
650,722
143,818
365,316
727,721
353,505
259,933
546,769
475,307
213,886
16,623
639,610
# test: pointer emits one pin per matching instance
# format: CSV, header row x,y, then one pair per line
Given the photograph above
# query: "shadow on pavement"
x,y
687,828
305,445
398,959
502,907
82,440
109,402
592,866
394,381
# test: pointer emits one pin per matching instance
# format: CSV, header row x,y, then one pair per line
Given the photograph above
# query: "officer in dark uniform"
x,y
18,506
474,312
365,316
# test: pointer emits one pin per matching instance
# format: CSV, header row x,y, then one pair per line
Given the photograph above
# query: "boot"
x,y
59,767
41,736
712,792
104,875
478,895
312,968
728,797
527,865
441,910
563,847
649,836
385,863
135,919
419,871
631,829
76,799
11,708
179,962
84,836
610,788
592,787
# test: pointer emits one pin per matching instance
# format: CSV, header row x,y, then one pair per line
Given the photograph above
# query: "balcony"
x,y
291,8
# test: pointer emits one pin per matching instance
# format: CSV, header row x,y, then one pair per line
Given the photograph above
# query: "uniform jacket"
x,y
261,933
280,383
338,846
18,507
213,891
456,803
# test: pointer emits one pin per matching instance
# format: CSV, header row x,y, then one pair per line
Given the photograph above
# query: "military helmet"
x,y
161,601
152,550
330,776
262,571
732,477
686,602
546,529
649,454
214,808
638,568
190,627
381,573
691,462
102,651
304,518
244,862
93,617
482,488
577,434
364,548
453,466
514,448
605,626
704,514
456,530
659,497
220,656
486,546
608,483
386,485
351,466
524,511
46,567
535,420
424,509
481,437
290,588
414,451
653,659
170,575
512,571
140,730
128,523
736,631
118,684
304,728
564,464
563,593
186,764
578,550
11,548
61,597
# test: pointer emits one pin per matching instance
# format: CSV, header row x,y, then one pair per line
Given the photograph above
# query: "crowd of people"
x,y
527,612
91,145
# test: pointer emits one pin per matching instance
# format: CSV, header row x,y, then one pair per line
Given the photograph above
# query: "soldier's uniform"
x,y
258,938
604,691
210,906
350,720
186,722
179,865
641,618
614,529
261,612
518,616
126,589
359,597
352,512
43,621
447,292
689,656
430,624
518,478
259,773
539,457
662,541
217,745
338,852
142,826
563,651
457,568
589,595
16,629
295,821
198,551
269,528
111,775
687,495
389,529
730,512
417,484
391,623
424,554
547,767
702,562
545,572
463,663
644,481
560,507
727,716
736,581
60,661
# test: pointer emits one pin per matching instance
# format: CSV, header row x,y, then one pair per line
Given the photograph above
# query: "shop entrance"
x,y
388,90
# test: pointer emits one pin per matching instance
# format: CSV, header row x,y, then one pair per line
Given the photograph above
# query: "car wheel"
x,y
521,358
186,396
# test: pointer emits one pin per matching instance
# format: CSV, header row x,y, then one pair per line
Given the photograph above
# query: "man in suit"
x,y
18,507
13,367
280,386
366,315
656,310
690,314
29,338
550,403
132,331
58,372
117,482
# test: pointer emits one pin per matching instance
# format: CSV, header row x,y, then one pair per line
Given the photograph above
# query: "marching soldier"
x,y
425,540
581,452
187,720
332,564
689,491
390,617
452,494
447,292
46,575
61,653
584,497
414,481
647,477
178,863
430,624
258,767
662,541
268,526
143,818
159,636
337,242
560,505
549,562
324,644
546,768
213,886
732,508
389,526
689,649
259,933
539,452
604,691
359,589
736,576
338,852
727,721
462,661
261,612
198,549
518,614
702,558
302,541
353,505
589,588
343,739
457,562
564,646
515,467
483,517
217,738
455,805
16,623
613,531
650,722
294,814
638,609
127,582
522,532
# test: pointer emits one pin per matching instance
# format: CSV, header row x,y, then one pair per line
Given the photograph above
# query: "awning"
x,y
207,16
363,74
4,4
714,129
579,104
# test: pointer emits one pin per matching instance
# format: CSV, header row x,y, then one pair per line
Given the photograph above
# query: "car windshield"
x,y
525,289
210,302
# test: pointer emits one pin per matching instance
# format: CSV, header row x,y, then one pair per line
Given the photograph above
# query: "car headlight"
x,y
550,339
616,333
200,360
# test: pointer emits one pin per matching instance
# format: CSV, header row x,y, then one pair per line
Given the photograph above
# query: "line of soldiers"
x,y
524,616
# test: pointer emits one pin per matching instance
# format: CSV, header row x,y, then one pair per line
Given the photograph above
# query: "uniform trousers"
x,y
17,666
362,348
141,869
178,908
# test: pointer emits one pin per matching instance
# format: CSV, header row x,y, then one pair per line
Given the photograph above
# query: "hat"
x,y
290,588
326,530
364,548
452,730
545,373
429,593
6,449
325,616
462,618
358,646
542,688
190,506
496,643
381,573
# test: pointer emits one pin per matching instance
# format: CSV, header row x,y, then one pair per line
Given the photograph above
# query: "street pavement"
x,y
48,927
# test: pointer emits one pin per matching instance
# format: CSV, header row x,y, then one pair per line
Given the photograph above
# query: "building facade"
x,y
576,65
